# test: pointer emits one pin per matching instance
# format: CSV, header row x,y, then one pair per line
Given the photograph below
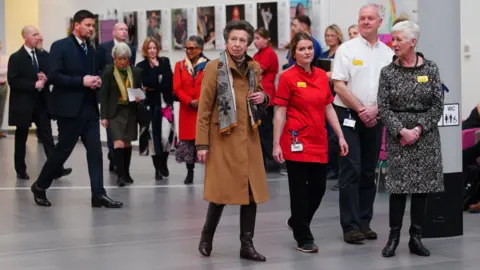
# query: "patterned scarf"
x,y
123,82
227,108
199,66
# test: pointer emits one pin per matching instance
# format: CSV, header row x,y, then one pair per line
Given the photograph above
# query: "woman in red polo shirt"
x,y
187,80
268,60
300,136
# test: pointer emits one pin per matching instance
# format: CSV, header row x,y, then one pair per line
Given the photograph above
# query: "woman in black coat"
x,y
157,78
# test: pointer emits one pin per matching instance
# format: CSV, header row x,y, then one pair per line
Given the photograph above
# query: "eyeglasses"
x,y
190,48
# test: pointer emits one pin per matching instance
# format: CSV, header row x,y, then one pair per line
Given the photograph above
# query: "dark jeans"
x,y
306,183
86,126
357,172
44,132
266,138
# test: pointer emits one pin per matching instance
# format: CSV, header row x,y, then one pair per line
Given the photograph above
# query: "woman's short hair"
x,y
337,30
409,29
263,33
198,40
353,26
295,40
121,50
146,43
239,25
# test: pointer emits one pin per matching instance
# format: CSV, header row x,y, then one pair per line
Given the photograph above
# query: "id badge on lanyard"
x,y
349,122
296,146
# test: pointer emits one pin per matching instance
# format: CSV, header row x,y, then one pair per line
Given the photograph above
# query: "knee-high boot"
x,y
119,158
214,213
156,164
189,178
248,214
128,159
396,212
417,212
164,164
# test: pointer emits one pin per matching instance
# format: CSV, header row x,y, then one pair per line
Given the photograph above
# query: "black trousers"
x,y
307,182
44,132
356,176
266,138
85,126
417,211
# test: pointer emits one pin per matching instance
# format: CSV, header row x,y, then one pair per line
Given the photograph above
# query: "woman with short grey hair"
x,y
117,112
227,138
410,104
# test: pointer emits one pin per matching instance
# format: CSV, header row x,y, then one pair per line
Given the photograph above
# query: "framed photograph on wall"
x,y
267,17
154,25
206,26
235,12
131,20
179,28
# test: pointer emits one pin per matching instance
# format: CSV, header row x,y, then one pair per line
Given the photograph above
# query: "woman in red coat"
x,y
187,80
268,60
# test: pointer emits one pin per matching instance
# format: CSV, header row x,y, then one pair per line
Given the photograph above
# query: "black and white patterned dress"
x,y
405,100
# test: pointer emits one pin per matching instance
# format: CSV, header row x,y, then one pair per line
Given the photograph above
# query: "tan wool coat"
x,y
234,161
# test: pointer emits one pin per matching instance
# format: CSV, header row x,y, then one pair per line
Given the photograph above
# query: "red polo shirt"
x,y
268,60
305,95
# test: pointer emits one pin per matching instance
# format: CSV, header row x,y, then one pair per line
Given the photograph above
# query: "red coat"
x,y
268,60
186,89
305,95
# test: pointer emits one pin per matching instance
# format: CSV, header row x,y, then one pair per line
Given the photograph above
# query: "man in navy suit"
x,y
27,69
74,76
104,58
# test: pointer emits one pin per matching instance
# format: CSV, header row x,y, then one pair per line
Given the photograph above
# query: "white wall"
x,y
470,64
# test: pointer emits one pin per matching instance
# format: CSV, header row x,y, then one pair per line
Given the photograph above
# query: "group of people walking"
x,y
235,121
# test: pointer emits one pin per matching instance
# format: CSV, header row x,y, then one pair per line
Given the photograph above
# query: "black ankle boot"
x,y
164,164
119,158
415,244
189,178
392,244
155,160
248,214
214,213
128,159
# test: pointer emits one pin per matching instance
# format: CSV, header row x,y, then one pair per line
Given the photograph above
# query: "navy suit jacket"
x,y
66,74
104,55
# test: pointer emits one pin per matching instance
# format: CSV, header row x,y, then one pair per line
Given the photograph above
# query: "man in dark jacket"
x,y
75,78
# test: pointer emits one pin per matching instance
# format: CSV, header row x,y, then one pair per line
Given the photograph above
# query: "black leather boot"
x,y
119,158
189,178
214,213
397,210
155,160
417,212
128,159
164,164
248,214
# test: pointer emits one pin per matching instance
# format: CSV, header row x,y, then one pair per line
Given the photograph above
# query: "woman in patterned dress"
x,y
410,104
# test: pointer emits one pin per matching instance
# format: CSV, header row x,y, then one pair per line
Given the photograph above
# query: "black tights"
x,y
397,210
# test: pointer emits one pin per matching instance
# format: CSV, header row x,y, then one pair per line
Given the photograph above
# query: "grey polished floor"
x,y
160,224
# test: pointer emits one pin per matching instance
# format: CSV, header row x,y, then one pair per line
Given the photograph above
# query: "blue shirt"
x,y
317,52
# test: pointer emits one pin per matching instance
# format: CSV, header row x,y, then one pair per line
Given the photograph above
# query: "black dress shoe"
x,y
23,176
40,197
353,237
99,201
64,172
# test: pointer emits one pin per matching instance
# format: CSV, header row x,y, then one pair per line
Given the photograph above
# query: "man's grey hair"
x,y
410,30
239,25
198,41
372,6
121,50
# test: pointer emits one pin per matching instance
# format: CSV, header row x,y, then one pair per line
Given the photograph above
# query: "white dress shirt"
x,y
359,63
29,51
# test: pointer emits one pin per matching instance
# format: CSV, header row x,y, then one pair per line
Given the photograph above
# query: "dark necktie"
x,y
35,63
84,47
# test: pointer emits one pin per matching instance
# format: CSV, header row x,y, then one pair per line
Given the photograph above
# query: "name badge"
x,y
349,122
302,84
297,147
422,79
357,62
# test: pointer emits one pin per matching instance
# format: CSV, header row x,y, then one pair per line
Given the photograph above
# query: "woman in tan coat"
x,y
227,137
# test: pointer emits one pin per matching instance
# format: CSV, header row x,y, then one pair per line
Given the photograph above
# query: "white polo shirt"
x,y
359,64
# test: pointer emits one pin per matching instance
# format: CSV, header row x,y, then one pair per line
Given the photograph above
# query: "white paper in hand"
x,y
133,93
